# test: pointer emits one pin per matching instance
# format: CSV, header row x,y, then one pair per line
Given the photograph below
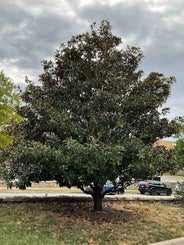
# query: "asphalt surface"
x,y
171,179
125,196
178,241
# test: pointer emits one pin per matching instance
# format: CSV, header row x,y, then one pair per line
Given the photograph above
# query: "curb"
x,y
178,241
79,198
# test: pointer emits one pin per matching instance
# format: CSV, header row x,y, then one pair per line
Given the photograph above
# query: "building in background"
x,y
168,144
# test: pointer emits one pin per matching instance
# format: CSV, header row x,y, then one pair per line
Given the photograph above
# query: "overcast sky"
x,y
31,31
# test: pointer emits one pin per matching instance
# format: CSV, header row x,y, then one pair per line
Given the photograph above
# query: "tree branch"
x,y
81,187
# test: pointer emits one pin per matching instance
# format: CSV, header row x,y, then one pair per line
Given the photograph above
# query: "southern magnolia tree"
x,y
9,101
93,118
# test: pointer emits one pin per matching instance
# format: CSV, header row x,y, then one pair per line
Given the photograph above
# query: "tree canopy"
x,y
9,101
94,116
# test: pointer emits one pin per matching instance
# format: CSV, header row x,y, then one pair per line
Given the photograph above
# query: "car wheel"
x,y
152,192
168,193
142,192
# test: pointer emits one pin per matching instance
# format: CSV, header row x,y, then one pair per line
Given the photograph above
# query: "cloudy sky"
x,y
31,31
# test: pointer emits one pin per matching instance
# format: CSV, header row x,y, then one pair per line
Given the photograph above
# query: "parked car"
x,y
108,186
154,187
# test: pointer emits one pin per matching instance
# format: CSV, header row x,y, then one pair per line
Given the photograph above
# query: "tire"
x,y
152,192
142,192
168,193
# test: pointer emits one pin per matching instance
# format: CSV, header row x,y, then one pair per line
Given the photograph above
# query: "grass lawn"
x,y
43,187
62,223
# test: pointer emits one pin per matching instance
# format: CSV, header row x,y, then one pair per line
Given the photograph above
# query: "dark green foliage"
x,y
93,115
180,151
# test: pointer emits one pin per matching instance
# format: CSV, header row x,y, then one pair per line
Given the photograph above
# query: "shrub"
x,y
180,190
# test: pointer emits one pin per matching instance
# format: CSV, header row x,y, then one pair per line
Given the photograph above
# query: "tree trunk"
x,y
97,199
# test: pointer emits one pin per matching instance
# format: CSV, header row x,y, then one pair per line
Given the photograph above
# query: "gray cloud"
x,y
32,30
28,38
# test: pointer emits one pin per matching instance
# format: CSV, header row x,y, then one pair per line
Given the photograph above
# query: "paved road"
x,y
172,178
125,196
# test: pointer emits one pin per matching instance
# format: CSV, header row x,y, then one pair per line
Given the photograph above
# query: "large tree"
x,y
93,117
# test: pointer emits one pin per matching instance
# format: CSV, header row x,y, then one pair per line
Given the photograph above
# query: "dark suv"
x,y
154,187
109,186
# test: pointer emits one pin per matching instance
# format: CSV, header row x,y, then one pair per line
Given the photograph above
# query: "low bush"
x,y
180,191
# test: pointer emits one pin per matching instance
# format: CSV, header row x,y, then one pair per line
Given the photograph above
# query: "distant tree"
x,y
93,118
9,101
165,161
180,142
180,154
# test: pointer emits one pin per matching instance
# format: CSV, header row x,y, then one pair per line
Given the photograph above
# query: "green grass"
x,y
64,223
42,190
43,187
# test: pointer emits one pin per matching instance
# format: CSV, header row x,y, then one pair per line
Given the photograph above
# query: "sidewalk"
x,y
178,241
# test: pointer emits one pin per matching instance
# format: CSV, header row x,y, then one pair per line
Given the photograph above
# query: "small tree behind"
x,y
9,101
93,117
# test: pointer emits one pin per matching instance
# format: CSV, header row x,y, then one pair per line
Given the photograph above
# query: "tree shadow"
x,y
82,211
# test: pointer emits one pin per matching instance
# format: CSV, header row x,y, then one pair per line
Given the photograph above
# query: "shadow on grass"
x,y
81,211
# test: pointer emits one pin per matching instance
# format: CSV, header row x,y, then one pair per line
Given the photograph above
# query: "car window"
x,y
156,183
